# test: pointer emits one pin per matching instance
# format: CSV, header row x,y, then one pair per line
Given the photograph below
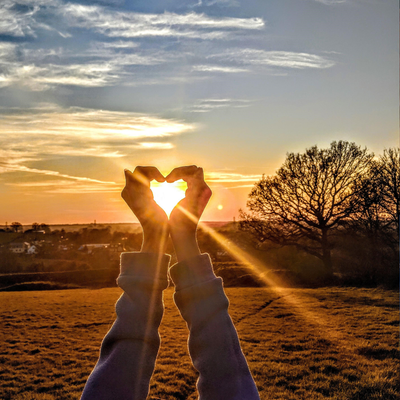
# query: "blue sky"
x,y
88,88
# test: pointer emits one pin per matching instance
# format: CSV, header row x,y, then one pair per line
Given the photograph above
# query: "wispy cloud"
x,y
133,25
117,54
72,186
221,3
21,168
98,128
48,131
156,145
25,18
331,2
218,68
18,19
282,59
103,64
207,105
230,177
44,77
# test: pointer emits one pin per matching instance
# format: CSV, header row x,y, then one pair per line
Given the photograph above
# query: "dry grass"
x,y
300,343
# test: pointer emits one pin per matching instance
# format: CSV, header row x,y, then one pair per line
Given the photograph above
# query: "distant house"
x,y
41,232
19,247
91,247
32,250
115,250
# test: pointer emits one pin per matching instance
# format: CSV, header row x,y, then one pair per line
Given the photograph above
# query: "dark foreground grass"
x,y
327,343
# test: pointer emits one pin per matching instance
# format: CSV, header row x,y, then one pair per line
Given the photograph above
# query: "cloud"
x,y
282,59
50,122
43,77
103,64
21,168
207,105
223,3
64,186
7,51
49,131
56,183
123,58
17,19
229,177
218,68
25,18
156,145
126,24
331,2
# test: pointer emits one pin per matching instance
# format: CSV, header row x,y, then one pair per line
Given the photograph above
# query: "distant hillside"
x,y
131,227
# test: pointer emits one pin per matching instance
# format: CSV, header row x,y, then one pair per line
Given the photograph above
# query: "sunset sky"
x,y
88,88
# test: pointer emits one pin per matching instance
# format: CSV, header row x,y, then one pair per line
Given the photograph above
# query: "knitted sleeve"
x,y
129,350
213,341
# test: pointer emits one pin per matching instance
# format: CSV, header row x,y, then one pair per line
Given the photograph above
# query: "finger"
x,y
150,173
128,175
146,174
185,173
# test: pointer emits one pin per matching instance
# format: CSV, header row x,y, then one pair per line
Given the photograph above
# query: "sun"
x,y
167,195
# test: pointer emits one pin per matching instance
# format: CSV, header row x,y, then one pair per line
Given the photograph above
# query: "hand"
x,y
185,216
139,197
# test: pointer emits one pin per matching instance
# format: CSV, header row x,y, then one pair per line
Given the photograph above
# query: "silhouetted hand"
x,y
185,216
139,197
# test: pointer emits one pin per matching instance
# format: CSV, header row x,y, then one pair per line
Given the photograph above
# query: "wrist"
x,y
155,240
185,246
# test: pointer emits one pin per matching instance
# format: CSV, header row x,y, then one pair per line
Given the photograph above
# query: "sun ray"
x,y
322,323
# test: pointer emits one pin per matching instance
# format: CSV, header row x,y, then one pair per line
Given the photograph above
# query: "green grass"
x,y
327,343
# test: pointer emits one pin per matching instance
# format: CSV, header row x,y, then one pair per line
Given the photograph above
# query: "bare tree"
x,y
310,194
370,220
390,175
16,226
44,227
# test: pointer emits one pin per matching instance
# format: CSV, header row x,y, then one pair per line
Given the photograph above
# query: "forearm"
x,y
213,342
130,348
185,244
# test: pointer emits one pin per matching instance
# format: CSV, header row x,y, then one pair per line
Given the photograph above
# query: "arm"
x,y
129,350
213,342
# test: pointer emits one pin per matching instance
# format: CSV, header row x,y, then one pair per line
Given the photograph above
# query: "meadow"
x,y
325,343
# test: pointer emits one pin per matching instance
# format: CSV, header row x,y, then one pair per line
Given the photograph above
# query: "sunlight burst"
x,y
167,195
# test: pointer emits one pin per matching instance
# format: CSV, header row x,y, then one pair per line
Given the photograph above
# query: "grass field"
x,y
327,343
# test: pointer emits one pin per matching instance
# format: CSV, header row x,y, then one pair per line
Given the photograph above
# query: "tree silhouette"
x,y
310,194
44,227
16,226
370,221
390,175
35,226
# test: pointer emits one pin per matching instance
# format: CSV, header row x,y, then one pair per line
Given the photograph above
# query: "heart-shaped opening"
x,y
167,195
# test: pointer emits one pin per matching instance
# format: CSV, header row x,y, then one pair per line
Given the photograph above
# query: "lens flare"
x,y
301,304
167,195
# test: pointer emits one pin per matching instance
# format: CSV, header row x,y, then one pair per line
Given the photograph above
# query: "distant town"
x,y
40,247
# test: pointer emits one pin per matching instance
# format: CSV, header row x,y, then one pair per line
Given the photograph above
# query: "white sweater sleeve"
x,y
129,350
213,342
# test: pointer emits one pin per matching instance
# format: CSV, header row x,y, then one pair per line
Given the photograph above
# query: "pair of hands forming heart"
x,y
182,223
